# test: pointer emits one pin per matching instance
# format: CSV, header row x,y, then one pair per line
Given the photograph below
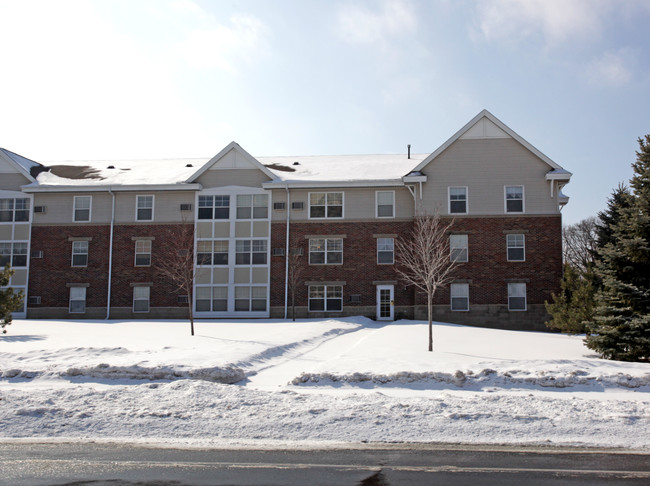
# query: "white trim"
x,y
153,205
449,188
325,251
309,216
461,248
451,296
523,199
74,209
180,186
377,205
525,297
391,316
334,185
508,246
385,251
135,287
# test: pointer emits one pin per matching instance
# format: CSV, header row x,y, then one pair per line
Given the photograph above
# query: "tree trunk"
x,y
191,314
430,314
293,305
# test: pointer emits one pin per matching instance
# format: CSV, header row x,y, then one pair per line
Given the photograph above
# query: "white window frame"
x,y
78,243
326,250
326,297
141,289
392,204
90,209
459,291
512,243
10,250
512,286
12,209
461,247
142,247
213,206
465,188
523,199
215,293
327,205
385,246
254,248
77,290
137,206
254,204
250,297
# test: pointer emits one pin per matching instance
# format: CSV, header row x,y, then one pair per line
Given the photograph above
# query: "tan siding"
x,y
21,231
12,182
166,206
59,208
5,232
232,177
485,167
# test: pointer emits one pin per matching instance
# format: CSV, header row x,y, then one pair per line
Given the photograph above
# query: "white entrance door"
x,y
385,304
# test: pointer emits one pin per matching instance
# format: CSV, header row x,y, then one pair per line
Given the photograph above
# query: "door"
x,y
385,304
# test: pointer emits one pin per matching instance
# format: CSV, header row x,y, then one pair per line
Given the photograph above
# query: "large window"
x,y
325,251
79,253
516,248
458,248
214,207
14,254
457,200
142,253
327,298
517,296
250,299
459,297
82,208
250,252
514,199
144,208
325,205
385,204
141,299
385,251
213,299
212,252
77,300
255,206
14,210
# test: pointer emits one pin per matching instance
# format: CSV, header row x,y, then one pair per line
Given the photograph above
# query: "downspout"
x,y
286,254
110,256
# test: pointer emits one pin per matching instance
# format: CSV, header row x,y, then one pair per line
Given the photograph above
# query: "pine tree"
x,y
621,327
574,305
9,300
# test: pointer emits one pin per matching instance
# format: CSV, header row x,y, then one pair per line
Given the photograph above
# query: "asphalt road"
x,y
372,465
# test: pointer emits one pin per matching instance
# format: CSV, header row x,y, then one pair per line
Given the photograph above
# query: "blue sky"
x,y
183,78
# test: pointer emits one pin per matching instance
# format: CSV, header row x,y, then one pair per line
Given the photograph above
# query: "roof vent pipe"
x,y
408,147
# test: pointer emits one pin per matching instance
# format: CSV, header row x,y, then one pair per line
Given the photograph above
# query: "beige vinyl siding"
x,y
358,203
485,166
232,177
12,181
60,207
167,206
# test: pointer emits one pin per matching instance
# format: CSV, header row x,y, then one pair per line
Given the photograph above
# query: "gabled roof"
x,y
504,130
23,165
248,158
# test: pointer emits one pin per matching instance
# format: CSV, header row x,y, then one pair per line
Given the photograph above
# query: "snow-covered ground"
x,y
266,383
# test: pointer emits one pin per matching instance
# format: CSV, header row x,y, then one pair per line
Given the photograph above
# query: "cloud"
x,y
359,25
555,21
613,68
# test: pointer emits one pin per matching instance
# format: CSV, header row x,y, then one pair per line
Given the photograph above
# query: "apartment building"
x,y
87,239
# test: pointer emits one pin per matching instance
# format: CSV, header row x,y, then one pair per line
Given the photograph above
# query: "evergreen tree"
x,y
9,300
621,326
574,305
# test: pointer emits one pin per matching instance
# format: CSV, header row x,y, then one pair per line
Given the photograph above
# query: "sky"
x,y
128,79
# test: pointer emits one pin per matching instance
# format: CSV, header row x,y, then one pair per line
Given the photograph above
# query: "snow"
x,y
313,383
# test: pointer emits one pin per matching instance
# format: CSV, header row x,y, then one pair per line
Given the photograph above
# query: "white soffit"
x,y
484,128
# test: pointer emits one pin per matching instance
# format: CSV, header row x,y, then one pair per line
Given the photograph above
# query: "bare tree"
x,y
175,262
579,244
424,259
295,273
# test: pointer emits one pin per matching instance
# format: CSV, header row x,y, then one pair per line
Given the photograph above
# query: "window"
x,y
514,199
328,298
77,300
459,297
14,254
142,253
385,251
79,253
214,207
144,208
211,299
385,204
255,206
250,299
212,252
14,210
458,248
220,255
325,251
516,248
325,205
249,252
517,296
141,299
458,200
82,207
